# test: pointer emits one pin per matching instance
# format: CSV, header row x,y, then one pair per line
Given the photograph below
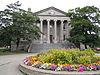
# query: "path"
x,y
9,64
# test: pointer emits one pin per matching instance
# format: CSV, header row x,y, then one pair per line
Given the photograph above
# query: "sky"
x,y
63,5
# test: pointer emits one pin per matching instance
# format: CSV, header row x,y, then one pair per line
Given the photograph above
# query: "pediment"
x,y
50,11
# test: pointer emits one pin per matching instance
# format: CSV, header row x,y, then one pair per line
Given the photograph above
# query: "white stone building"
x,y
54,24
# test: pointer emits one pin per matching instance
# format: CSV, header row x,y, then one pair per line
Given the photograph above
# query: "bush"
x,y
89,52
95,58
84,59
5,50
55,57
75,54
70,56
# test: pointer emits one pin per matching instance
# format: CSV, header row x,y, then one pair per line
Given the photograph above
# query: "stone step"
x,y
45,46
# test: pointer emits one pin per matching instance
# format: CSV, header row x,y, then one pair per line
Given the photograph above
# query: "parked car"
x,y
97,49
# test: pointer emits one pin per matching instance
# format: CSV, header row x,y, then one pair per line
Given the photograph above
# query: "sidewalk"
x,y
9,64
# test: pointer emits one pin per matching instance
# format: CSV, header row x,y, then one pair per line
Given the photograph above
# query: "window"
x,y
51,13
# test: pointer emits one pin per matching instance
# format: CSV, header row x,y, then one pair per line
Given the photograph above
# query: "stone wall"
x,y
23,45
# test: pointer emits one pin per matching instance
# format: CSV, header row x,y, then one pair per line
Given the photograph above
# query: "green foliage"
x,y
55,56
16,23
95,51
88,52
95,58
70,56
5,50
75,54
85,26
84,59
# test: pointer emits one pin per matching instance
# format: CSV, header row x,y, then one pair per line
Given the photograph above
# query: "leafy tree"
x,y
17,23
85,26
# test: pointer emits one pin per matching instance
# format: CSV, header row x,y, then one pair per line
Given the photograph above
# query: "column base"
x,y
41,42
55,41
48,41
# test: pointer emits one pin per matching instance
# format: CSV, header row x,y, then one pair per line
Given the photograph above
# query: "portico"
x,y
53,30
53,23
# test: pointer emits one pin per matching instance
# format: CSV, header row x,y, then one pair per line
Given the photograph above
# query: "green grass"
x,y
19,51
9,52
96,51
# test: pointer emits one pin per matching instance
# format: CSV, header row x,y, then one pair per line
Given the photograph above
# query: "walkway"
x,y
9,64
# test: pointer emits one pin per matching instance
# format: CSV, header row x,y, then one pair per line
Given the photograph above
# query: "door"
x,y
51,38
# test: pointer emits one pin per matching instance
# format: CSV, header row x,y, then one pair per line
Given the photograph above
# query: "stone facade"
x,y
55,27
54,24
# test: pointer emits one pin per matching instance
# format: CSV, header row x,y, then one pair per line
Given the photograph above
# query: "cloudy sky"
x,y
64,5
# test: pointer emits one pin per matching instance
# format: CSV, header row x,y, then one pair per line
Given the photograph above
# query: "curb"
x,y
35,71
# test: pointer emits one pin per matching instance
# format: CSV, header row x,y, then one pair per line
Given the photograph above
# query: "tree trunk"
x,y
30,42
77,45
85,46
17,43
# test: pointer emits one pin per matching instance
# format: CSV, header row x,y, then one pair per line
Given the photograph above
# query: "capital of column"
x,y
41,19
55,20
48,19
62,20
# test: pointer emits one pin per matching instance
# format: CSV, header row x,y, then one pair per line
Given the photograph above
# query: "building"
x,y
54,24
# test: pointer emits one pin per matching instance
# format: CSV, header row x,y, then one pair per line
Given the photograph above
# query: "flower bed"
x,y
41,61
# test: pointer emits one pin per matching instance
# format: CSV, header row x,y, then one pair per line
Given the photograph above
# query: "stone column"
x,y
61,32
67,34
55,31
41,28
48,31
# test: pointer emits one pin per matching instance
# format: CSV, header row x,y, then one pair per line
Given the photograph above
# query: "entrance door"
x,y
51,38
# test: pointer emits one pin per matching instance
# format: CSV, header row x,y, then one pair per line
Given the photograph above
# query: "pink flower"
x,y
93,67
81,69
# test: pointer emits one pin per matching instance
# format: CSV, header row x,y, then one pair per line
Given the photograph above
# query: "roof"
x,y
38,12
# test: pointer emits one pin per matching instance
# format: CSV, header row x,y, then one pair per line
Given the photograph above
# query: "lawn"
x,y
9,52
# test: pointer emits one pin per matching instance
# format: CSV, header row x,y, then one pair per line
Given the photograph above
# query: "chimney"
x,y
29,9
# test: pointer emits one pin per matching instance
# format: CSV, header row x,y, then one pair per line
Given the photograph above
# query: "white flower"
x,y
34,64
26,62
59,68
44,66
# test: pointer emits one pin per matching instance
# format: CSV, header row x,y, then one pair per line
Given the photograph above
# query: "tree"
x,y
17,23
85,26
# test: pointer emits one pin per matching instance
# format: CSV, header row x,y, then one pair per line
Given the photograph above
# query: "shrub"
x,y
95,58
70,56
75,54
84,59
89,52
55,57
5,50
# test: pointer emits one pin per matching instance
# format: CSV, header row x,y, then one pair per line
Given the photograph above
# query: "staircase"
x,y
45,46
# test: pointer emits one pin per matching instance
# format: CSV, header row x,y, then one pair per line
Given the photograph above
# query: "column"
x,y
55,31
67,29
48,31
41,28
61,34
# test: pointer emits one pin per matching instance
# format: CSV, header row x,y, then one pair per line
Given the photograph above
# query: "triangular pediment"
x,y
50,11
